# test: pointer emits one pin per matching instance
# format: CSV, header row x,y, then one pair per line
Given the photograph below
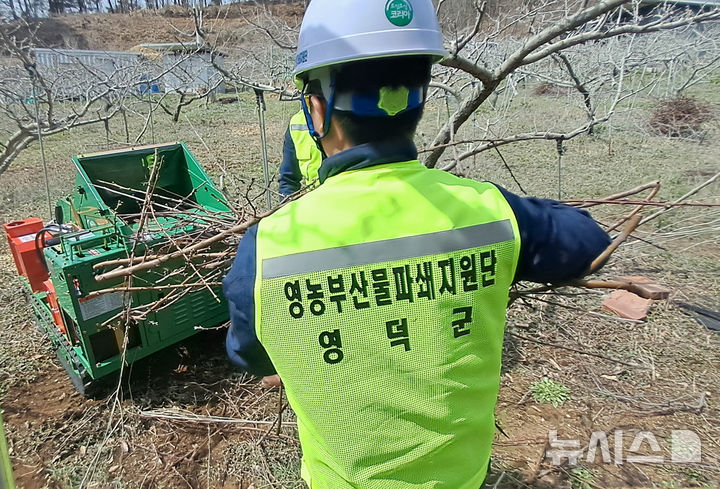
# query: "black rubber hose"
x,y
40,236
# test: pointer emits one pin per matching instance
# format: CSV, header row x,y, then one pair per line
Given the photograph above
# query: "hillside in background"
x,y
226,24
121,32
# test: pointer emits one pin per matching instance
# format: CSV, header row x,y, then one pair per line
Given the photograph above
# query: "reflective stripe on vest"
x,y
308,155
388,250
380,298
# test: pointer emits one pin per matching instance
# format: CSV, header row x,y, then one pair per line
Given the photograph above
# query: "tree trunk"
x,y
27,10
19,141
468,106
11,4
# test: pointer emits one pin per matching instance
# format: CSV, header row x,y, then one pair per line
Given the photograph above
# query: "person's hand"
x,y
271,381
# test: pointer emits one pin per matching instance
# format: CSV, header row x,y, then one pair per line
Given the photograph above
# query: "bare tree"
x,y
41,101
255,63
13,12
552,29
21,9
76,90
30,103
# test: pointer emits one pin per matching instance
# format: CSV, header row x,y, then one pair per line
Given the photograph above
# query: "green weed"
x,y
581,478
549,391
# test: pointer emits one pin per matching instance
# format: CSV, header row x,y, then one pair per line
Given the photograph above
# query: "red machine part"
x,y
21,237
54,306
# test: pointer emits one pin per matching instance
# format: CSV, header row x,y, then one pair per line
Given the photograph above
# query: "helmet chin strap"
x,y
328,115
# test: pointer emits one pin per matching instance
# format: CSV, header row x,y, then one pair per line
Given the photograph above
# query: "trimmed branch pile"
x,y
681,117
188,261
205,256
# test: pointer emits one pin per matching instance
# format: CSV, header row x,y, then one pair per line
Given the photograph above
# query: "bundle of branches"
x,y
632,221
197,245
203,257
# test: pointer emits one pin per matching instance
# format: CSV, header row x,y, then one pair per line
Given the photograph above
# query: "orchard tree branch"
x,y
520,57
659,25
24,136
243,81
541,45
270,33
579,85
461,63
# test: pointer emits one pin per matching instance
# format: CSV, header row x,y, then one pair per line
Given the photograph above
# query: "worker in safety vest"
x,y
379,297
301,157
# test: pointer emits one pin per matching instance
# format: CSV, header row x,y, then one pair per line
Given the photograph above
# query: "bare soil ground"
x,y
656,376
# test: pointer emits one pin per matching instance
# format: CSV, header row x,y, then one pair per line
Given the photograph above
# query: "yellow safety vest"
x,y
380,298
6,472
306,150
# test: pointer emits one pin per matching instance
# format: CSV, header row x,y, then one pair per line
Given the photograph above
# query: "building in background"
x,y
186,68
75,73
148,68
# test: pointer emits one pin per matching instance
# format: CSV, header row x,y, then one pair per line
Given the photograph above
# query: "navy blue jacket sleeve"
x,y
242,344
557,242
290,176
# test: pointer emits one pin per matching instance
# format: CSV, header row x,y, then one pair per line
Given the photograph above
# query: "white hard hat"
x,y
340,31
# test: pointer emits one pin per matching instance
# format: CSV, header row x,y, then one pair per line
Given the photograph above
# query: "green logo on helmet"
x,y
399,12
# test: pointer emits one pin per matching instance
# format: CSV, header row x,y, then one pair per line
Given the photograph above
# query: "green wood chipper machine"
x,y
103,223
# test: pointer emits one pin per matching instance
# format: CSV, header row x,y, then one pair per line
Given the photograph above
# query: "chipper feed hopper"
x,y
100,222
